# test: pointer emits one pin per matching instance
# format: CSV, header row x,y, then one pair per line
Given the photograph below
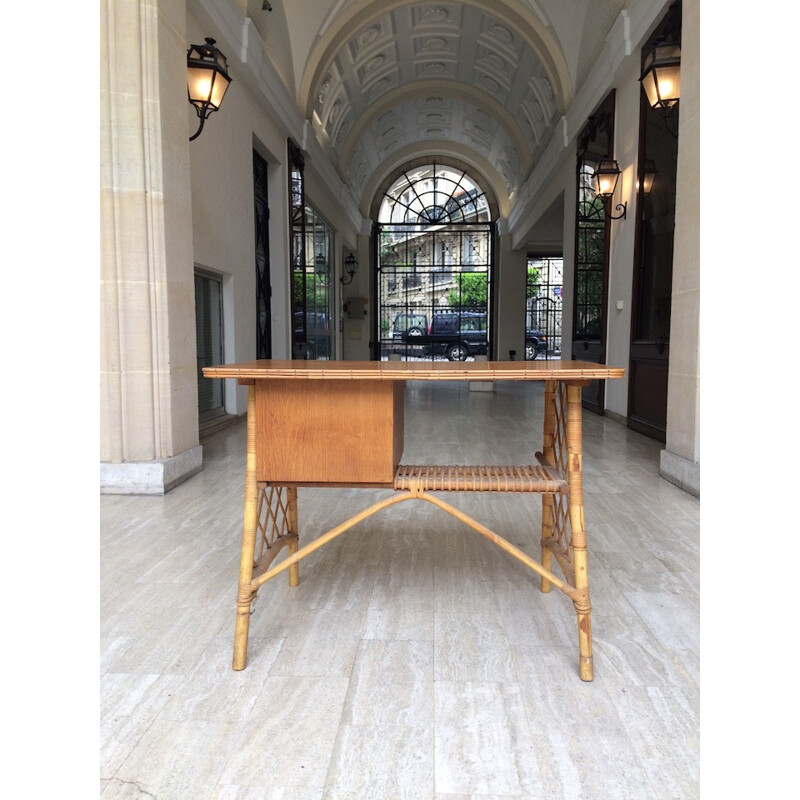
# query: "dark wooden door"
x,y
263,286
649,360
652,282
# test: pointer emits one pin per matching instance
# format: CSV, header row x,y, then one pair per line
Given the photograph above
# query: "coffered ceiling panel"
x,y
391,74
381,77
430,118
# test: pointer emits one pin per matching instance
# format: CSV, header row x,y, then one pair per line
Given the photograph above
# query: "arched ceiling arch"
x,y
391,76
411,158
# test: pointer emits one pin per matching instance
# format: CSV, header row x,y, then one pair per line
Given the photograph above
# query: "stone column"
x,y
509,285
148,410
680,461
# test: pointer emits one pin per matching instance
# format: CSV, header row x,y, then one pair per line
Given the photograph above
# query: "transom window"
x,y
433,195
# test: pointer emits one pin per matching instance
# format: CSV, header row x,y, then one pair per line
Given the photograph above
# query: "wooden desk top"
x,y
248,371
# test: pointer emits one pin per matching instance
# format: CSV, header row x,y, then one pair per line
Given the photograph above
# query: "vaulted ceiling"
x,y
385,81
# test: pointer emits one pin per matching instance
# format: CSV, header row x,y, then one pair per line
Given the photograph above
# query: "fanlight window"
x,y
433,195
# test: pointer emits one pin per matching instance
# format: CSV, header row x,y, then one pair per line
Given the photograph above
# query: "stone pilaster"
x,y
680,461
148,409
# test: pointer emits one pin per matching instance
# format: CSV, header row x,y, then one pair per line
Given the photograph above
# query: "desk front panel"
x,y
332,431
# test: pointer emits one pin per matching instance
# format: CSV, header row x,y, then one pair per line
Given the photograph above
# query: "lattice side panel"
x,y
273,521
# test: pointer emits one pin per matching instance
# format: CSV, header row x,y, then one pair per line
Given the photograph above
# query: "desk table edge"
x,y
561,370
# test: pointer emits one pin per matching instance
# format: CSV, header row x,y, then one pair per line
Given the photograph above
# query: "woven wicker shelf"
x,y
527,478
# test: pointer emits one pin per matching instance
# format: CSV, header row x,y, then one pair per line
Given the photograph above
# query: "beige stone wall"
x,y
356,333
221,166
510,277
147,349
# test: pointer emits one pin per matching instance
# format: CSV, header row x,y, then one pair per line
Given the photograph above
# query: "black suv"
x,y
535,343
317,339
460,335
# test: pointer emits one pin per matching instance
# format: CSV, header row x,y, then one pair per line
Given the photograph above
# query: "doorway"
x,y
590,298
434,267
652,280
263,287
543,309
208,326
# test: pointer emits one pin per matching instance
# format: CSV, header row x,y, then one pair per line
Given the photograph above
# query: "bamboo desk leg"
x,y
563,528
548,501
244,597
578,529
247,589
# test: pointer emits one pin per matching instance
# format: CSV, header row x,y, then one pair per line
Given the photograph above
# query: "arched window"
x,y
434,266
434,195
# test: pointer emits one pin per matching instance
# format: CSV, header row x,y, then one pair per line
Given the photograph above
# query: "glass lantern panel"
x,y
199,84
221,84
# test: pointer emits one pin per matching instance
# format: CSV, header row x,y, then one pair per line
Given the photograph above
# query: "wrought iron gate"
x,y
543,307
434,267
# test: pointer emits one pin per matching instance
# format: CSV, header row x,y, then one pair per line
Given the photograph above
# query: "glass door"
x,y
595,143
208,323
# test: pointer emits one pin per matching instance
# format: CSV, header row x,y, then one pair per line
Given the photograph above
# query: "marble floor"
x,y
415,659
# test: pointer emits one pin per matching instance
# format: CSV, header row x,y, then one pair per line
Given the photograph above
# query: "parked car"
x,y
535,343
405,320
459,335
456,335
317,333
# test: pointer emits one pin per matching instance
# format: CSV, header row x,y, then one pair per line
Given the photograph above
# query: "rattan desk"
x,y
340,423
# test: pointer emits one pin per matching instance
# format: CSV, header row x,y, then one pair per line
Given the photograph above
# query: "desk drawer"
x,y
331,431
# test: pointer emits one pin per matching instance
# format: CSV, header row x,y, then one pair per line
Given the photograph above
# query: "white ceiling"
x,y
385,80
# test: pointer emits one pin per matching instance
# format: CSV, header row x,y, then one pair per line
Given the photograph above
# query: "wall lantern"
x,y
322,267
351,267
661,77
605,180
208,79
649,176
